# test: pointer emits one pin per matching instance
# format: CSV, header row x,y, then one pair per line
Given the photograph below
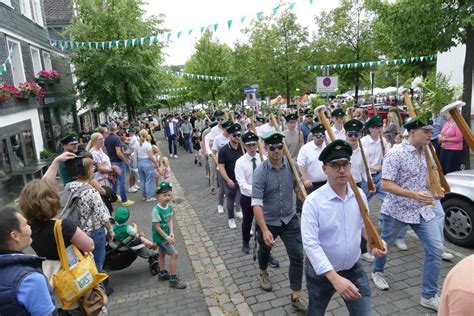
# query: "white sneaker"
x,y
232,223
132,190
379,281
432,303
239,215
447,256
220,209
175,156
251,231
367,257
136,187
401,244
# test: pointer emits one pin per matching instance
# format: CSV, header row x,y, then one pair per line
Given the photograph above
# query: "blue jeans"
x,y
98,236
431,236
146,170
187,142
379,193
121,181
320,291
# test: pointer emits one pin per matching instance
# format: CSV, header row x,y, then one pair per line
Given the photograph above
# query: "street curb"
x,y
221,293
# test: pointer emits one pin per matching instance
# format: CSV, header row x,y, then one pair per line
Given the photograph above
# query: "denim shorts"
x,y
167,248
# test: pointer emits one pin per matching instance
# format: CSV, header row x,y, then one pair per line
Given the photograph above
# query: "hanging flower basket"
x,y
7,92
48,76
28,90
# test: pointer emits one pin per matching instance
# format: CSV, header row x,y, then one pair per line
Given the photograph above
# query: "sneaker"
x,y
213,191
109,290
298,304
239,215
431,303
401,244
132,190
220,209
447,256
128,203
176,156
379,281
151,199
163,276
136,187
273,263
232,223
265,283
367,257
119,200
251,231
245,247
177,284
200,164
195,161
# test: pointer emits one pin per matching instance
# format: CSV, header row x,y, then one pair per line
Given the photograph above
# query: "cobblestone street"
x,y
221,279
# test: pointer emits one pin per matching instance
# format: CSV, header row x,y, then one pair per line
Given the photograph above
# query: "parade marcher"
x,y
171,134
307,125
227,157
70,144
409,202
292,135
209,142
353,130
259,121
338,127
196,141
218,142
310,166
266,128
206,150
273,187
331,229
186,129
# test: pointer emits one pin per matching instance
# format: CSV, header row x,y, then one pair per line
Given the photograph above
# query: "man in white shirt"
x,y
217,144
259,121
338,127
331,229
375,148
208,140
267,127
310,166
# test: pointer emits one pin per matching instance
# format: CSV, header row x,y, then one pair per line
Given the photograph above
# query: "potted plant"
x,y
7,91
48,76
28,90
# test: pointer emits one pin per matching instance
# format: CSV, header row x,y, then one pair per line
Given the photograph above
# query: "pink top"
x,y
453,134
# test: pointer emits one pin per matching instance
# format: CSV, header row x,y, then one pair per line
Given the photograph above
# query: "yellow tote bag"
x,y
71,283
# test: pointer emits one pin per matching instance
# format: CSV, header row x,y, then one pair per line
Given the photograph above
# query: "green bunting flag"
x,y
275,10
242,19
292,5
202,29
190,75
310,1
179,34
216,25
190,31
368,64
229,24
259,16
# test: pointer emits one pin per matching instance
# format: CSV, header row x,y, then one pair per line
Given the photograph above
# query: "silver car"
x,y
459,208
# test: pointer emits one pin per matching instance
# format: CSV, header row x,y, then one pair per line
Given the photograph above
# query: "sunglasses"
x,y
273,147
219,119
318,135
236,134
353,134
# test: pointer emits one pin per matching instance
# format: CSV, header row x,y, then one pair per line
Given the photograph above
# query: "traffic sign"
x,y
250,90
327,84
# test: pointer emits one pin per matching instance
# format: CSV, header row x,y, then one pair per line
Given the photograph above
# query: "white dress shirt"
x,y
265,128
244,173
308,160
331,229
338,134
219,142
357,166
373,151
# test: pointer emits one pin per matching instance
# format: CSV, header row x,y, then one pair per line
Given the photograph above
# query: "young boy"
x,y
197,146
163,234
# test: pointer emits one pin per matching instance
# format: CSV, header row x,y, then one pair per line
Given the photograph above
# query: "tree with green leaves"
x,y
345,34
279,54
120,78
211,58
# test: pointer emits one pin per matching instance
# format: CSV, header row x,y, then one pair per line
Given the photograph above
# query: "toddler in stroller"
x,y
128,244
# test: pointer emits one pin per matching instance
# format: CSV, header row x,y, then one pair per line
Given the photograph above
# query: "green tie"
x,y
254,163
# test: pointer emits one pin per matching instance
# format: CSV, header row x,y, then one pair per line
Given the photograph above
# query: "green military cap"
x,y
318,129
338,113
164,187
273,138
374,121
226,124
234,128
308,112
260,118
218,113
423,121
291,117
338,150
213,123
249,138
353,125
69,139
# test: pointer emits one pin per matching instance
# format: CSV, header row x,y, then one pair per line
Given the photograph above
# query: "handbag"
x,y
94,303
72,282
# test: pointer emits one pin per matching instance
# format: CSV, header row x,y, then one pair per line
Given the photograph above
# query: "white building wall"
x,y
32,115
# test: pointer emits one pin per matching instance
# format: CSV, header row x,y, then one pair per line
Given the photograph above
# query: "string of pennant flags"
x,y
168,36
195,76
176,89
369,64
167,97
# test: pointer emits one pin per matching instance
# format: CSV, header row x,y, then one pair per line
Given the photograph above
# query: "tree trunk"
x,y
128,102
467,91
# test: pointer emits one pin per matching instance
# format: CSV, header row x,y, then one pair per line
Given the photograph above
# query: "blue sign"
x,y
250,90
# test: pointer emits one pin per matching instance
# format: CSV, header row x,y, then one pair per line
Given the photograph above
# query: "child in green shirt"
x,y
163,234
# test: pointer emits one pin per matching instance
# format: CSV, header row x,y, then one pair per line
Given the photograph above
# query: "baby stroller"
x,y
121,254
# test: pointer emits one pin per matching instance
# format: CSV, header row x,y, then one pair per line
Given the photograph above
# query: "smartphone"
x,y
75,167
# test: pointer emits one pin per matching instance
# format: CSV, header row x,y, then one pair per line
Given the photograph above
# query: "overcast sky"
x,y
182,15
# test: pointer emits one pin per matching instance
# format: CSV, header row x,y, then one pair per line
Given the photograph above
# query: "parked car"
x,y
458,207
383,109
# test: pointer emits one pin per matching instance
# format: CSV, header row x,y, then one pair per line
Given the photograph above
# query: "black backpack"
x,y
70,203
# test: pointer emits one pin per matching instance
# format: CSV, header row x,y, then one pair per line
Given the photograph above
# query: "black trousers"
x,y
172,143
233,196
247,211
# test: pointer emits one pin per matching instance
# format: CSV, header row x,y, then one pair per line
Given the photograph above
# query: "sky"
x,y
183,15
